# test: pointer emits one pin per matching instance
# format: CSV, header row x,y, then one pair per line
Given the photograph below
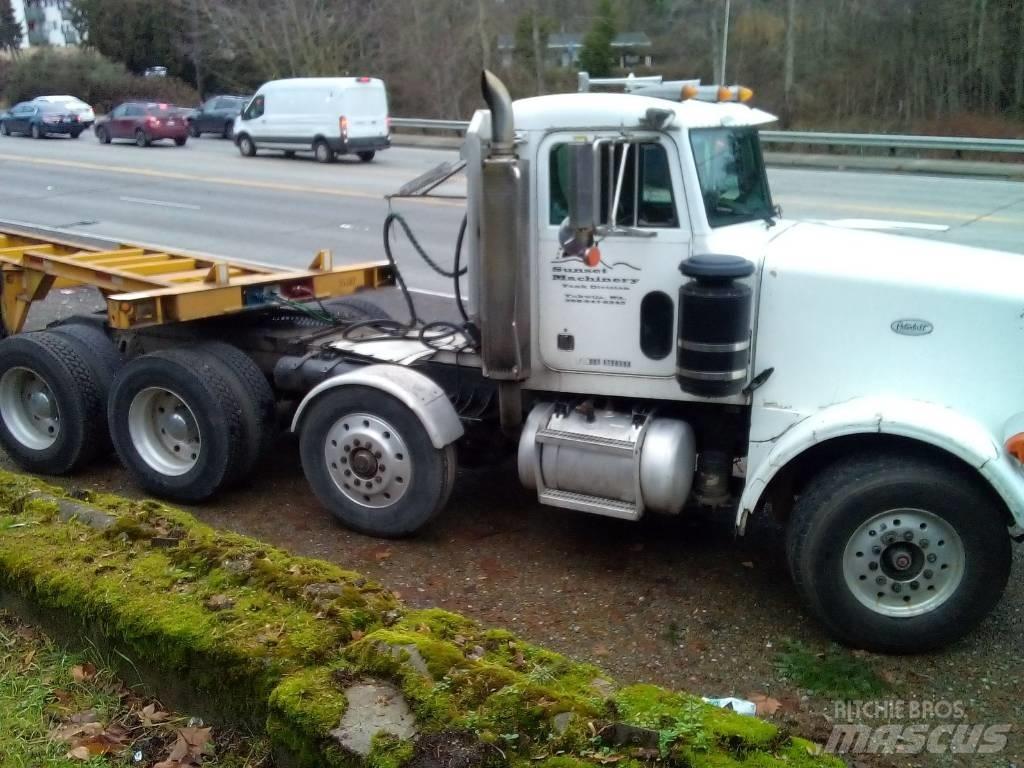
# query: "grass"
x,y
39,693
836,673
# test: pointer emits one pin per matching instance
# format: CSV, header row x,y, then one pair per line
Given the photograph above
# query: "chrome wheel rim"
x,y
322,152
368,460
29,408
904,562
164,431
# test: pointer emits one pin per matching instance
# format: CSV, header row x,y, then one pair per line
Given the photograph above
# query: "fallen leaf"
x,y
88,716
380,554
600,650
150,715
766,706
82,673
79,753
747,564
358,634
188,749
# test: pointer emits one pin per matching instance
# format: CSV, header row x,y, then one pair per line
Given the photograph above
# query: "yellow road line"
x,y
890,212
250,184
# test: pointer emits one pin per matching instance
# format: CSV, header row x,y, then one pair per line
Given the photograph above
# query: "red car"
x,y
143,122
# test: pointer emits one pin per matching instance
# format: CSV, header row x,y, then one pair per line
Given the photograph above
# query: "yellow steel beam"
x,y
20,289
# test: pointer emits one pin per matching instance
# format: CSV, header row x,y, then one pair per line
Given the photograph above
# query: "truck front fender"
x,y
414,390
926,422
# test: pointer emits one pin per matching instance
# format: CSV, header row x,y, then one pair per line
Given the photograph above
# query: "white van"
x,y
327,116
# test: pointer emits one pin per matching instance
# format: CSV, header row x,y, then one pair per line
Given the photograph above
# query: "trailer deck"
x,y
146,286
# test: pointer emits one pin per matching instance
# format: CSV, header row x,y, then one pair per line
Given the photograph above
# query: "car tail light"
x,y
343,125
362,79
387,122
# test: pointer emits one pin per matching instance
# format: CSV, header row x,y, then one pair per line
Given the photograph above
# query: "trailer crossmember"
x,y
145,286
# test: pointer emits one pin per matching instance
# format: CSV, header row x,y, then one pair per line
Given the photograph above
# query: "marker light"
x,y
689,92
1015,447
745,94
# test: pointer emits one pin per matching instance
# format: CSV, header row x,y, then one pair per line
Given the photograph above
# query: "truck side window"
x,y
646,198
255,109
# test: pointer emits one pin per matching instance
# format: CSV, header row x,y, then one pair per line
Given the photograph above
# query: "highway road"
x,y
205,197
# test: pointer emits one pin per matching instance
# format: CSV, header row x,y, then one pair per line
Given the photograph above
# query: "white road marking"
x,y
442,294
161,203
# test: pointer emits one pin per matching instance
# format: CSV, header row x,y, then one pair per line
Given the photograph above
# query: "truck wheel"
x,y
259,412
367,156
896,554
322,152
246,146
371,463
99,351
355,310
51,403
176,422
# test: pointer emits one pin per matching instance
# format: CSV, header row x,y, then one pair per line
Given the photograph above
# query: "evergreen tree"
x,y
10,28
597,57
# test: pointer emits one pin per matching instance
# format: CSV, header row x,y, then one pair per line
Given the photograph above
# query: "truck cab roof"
x,y
614,110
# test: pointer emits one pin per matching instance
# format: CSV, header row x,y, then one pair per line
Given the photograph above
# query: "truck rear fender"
x,y
414,390
931,424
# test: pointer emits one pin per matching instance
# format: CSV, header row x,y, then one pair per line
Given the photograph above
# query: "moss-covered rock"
x,y
254,634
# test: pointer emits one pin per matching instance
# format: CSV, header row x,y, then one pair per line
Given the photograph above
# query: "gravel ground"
x,y
675,601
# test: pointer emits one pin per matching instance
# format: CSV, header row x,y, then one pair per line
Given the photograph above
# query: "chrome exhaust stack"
x,y
504,287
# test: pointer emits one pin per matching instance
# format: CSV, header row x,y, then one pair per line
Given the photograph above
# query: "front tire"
x,y
4,129
103,135
246,146
229,130
36,132
371,463
141,139
180,141
75,134
897,554
194,131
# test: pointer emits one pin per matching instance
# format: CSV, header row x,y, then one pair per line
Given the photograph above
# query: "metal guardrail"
x,y
886,141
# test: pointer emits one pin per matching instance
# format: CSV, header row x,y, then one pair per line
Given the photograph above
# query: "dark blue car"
x,y
40,120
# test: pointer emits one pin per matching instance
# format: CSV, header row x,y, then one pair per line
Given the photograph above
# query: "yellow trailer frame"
x,y
147,286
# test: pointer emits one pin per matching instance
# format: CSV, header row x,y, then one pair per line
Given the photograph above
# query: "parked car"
x,y
325,115
217,115
40,120
73,104
143,122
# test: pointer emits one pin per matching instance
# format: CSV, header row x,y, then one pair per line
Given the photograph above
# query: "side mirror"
x,y
581,186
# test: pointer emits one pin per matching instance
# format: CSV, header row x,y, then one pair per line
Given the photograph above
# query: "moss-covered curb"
x,y
241,632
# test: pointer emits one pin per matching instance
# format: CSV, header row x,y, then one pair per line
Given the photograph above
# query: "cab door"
x,y
615,314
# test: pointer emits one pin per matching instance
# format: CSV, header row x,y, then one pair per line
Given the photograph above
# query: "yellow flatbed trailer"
x,y
146,286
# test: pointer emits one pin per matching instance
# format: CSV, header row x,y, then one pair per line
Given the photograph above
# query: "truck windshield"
x,y
731,172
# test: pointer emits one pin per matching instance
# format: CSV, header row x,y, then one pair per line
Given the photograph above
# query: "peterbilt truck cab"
x,y
659,338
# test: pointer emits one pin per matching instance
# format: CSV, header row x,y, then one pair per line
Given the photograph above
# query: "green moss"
x,y
241,623
387,751
837,673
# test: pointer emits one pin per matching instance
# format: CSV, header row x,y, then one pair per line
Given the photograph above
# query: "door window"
x,y
120,111
134,110
255,108
636,173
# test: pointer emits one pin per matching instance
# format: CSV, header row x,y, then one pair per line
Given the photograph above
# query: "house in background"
x,y
632,48
45,22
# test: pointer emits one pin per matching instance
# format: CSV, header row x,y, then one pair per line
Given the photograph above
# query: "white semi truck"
x,y
642,328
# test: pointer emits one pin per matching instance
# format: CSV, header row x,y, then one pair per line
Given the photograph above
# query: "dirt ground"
x,y
675,601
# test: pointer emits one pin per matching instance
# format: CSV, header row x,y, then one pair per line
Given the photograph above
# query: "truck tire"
x,y
259,412
897,554
356,310
176,422
322,152
99,351
246,146
367,156
51,403
371,463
